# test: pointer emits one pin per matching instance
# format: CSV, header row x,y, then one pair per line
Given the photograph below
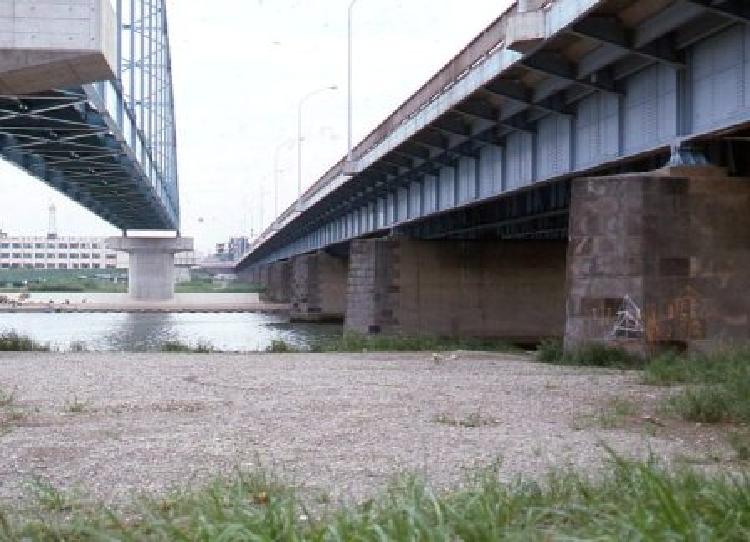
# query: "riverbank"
x,y
111,425
72,302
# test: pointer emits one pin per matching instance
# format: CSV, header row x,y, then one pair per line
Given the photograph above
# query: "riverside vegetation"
x,y
712,388
634,501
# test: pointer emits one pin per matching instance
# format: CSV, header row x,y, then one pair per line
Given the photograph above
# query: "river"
x,y
139,332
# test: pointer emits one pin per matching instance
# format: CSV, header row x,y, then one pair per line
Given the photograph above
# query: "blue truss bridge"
x,y
87,106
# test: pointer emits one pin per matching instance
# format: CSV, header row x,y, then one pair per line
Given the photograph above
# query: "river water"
x,y
138,332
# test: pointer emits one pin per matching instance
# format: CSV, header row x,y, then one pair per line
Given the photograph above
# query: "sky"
x,y
240,68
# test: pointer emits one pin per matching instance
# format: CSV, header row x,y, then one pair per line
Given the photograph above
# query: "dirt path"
x,y
112,424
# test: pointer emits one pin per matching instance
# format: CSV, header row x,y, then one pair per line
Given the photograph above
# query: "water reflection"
x,y
147,332
141,332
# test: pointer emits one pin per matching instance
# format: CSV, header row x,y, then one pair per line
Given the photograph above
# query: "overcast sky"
x,y
240,67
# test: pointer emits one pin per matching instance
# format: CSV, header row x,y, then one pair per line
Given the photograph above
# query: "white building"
x,y
52,252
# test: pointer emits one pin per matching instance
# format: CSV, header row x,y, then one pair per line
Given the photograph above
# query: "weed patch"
x,y
183,348
588,355
355,342
635,501
473,420
10,341
715,387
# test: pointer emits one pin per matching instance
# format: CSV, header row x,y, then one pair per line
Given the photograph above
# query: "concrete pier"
x,y
509,290
318,287
677,243
152,269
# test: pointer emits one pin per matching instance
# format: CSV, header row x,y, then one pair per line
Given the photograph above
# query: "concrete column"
x,y
506,290
676,242
151,274
279,285
318,287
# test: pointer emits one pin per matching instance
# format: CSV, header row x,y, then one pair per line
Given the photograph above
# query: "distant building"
x,y
54,252
72,252
232,251
238,247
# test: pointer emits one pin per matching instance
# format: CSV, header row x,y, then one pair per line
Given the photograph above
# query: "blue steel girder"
x,y
111,145
476,150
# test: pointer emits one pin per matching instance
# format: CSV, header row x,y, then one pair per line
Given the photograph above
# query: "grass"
x,y
715,387
473,420
588,355
355,342
10,341
282,347
634,501
183,348
76,407
10,415
616,413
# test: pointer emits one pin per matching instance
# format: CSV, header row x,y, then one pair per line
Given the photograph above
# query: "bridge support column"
x,y
151,275
318,287
512,290
676,243
279,282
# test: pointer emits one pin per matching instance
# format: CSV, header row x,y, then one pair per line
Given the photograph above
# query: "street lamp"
x,y
277,152
299,132
349,108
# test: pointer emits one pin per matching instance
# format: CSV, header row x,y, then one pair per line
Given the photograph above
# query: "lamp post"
x,y
349,108
299,132
277,152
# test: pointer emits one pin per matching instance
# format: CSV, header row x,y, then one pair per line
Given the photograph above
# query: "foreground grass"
x,y
354,342
10,341
636,501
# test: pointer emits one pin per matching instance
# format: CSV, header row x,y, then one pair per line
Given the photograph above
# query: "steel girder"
x,y
110,146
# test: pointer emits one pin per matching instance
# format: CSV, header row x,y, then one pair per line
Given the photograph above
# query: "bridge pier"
x,y
318,287
677,243
278,282
151,275
512,290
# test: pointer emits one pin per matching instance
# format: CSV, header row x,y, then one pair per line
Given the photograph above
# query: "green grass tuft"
x,y
588,355
10,341
715,386
282,347
177,347
355,342
634,501
471,421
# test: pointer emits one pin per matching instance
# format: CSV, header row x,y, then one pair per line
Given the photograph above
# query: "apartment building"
x,y
52,252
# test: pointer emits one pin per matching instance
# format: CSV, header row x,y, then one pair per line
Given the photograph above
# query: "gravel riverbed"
x,y
111,425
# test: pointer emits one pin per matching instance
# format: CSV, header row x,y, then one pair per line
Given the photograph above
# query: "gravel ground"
x,y
344,424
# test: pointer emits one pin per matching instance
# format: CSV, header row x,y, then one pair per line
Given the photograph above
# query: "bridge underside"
x,y
521,193
86,105
61,138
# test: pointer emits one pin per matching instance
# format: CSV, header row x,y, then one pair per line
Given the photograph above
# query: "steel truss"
x,y
110,146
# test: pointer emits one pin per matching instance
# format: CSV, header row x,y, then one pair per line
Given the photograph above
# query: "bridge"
x,y
87,106
578,171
